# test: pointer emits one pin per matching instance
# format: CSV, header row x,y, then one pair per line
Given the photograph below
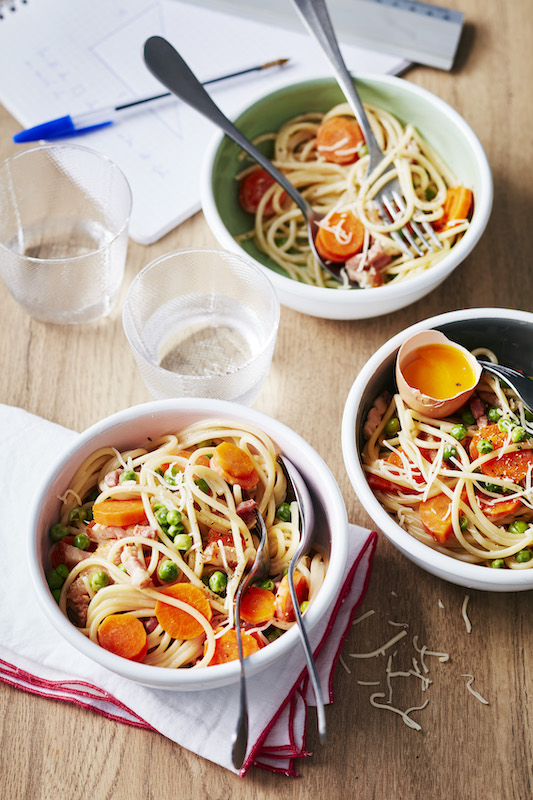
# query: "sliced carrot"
x,y
235,465
227,649
500,509
252,188
124,635
342,239
435,516
257,605
457,205
511,466
385,485
176,622
119,512
284,608
339,139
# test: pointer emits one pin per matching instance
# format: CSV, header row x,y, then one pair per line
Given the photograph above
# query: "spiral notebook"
x,y
65,57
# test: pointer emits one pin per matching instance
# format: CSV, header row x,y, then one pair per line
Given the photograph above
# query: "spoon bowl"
x,y
166,64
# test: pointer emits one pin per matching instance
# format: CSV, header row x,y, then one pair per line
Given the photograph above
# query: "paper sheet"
x,y
59,57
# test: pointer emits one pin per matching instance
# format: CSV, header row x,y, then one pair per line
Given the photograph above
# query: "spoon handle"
x,y
314,15
166,64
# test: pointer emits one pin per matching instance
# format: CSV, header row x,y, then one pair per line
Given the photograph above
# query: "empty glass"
x,y
202,323
64,214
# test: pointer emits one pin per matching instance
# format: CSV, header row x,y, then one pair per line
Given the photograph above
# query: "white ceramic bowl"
x,y
130,428
510,334
438,123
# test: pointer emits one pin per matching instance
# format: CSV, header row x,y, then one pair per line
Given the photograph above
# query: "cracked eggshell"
x,y
413,397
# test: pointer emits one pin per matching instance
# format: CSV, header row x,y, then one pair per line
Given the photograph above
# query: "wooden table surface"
x,y
465,749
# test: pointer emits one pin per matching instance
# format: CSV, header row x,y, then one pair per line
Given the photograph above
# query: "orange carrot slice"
x,y
119,512
226,648
124,635
436,518
284,608
252,188
511,466
500,509
257,605
234,465
457,205
176,622
339,139
342,239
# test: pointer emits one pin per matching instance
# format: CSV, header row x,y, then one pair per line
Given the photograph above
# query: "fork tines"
x,y
389,205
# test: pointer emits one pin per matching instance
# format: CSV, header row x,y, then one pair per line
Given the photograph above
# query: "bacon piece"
x,y
150,624
212,555
137,571
478,410
366,269
65,553
112,478
245,510
103,533
78,602
375,415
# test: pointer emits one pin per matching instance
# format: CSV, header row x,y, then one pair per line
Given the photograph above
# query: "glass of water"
x,y
64,215
202,323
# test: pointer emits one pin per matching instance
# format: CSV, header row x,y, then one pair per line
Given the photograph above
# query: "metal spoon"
x,y
259,571
165,63
521,384
298,488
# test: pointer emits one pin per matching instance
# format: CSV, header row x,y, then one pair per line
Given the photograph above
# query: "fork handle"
x,y
166,64
315,16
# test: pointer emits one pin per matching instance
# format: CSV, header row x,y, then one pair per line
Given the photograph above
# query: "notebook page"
x,y
68,58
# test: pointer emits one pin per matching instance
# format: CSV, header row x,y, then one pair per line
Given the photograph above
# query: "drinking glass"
x,y
202,323
64,214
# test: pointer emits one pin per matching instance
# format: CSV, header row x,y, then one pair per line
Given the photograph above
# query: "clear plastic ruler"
x,y
419,32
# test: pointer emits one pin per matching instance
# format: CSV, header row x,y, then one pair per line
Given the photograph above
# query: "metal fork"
x,y
389,199
259,571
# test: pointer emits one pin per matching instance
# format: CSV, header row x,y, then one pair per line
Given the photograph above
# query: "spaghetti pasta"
x,y
332,177
472,497
165,535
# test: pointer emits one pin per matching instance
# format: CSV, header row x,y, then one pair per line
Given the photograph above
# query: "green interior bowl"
x,y
437,123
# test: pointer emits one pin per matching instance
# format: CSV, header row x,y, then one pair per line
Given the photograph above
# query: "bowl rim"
x,y
464,574
220,674
437,273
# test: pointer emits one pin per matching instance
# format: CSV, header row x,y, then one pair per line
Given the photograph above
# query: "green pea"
x,y
497,563
58,532
363,151
494,414
528,415
205,443
303,606
518,526
273,633
158,471
505,425
173,530
54,579
458,432
268,585
449,451
78,514
430,193
218,582
524,555
170,475
128,475
392,426
161,515
57,594
62,570
202,485
183,541
468,418
173,516
98,580
493,487
81,541
518,434
205,580
485,446
463,522
167,571
284,512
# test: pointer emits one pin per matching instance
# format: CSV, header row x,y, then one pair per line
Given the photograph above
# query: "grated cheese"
x,y
472,691
403,714
465,615
441,604
380,650
363,616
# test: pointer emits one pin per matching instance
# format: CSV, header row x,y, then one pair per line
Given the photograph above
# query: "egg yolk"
x,y
440,371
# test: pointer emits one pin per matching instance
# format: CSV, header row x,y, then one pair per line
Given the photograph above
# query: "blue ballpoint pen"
x,y
103,117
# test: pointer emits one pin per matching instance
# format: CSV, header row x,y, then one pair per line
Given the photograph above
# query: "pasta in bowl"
x,y
146,528
452,491
310,134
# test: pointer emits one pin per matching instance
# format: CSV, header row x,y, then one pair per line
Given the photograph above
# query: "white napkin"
x,y
35,658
